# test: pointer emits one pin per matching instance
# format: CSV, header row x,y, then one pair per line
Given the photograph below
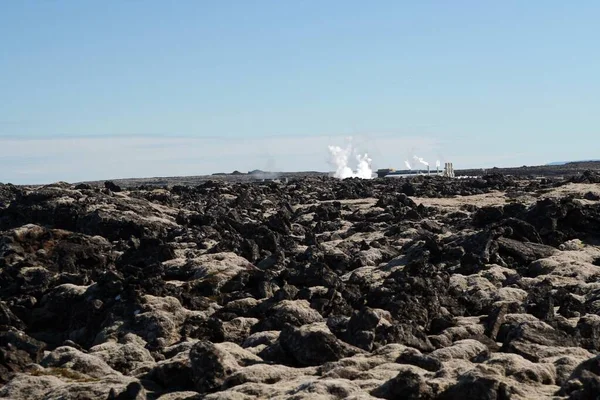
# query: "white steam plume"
x,y
437,163
364,170
407,165
419,159
341,158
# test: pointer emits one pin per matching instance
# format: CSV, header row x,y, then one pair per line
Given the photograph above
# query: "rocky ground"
x,y
312,289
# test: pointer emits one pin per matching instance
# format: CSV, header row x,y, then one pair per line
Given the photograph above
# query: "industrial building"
x,y
448,172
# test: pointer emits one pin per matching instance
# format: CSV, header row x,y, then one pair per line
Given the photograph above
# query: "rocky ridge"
x,y
312,289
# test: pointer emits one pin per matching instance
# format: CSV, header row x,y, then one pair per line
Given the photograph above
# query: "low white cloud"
x,y
29,161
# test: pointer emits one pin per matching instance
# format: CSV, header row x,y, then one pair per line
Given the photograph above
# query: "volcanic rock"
x,y
425,288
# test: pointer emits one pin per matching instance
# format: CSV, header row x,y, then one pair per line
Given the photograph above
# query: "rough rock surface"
x,y
428,288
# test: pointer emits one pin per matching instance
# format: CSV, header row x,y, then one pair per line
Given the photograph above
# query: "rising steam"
x,y
419,159
407,165
341,157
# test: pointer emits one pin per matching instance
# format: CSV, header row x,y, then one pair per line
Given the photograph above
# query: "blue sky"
x,y
93,90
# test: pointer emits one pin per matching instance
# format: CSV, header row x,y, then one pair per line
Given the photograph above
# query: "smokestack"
x,y
449,170
428,171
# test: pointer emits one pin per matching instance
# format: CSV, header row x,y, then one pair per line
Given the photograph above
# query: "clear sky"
x,y
108,89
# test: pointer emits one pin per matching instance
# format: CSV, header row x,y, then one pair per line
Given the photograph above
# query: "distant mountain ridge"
x,y
570,162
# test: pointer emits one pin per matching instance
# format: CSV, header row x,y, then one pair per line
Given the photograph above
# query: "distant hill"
x,y
569,162
556,170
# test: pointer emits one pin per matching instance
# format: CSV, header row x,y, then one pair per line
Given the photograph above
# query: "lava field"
x,y
316,288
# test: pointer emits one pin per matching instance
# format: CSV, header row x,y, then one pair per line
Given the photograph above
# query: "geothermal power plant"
x,y
447,171
341,157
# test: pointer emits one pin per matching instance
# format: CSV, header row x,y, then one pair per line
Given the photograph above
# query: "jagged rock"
x,y
584,382
406,385
589,329
17,351
29,387
71,358
238,329
363,324
124,357
467,349
158,320
525,252
7,318
414,357
175,372
487,215
479,386
134,390
537,333
58,383
113,187
263,373
261,338
313,344
293,312
587,176
211,366
328,211
523,370
495,319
